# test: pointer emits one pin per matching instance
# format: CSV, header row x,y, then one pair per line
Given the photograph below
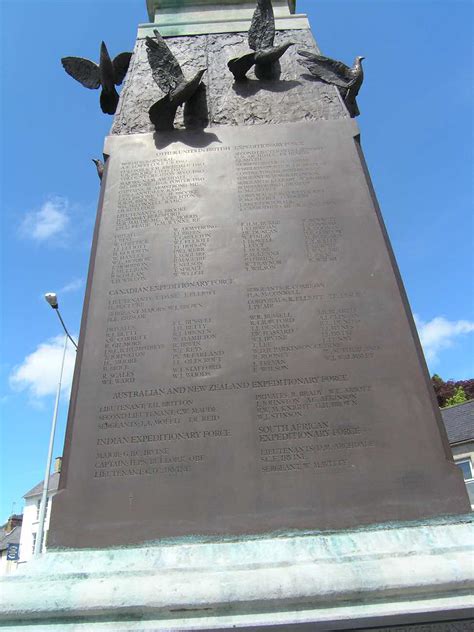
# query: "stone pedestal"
x,y
419,574
203,44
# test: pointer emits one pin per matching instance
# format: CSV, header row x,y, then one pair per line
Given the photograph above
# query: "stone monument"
x,y
252,439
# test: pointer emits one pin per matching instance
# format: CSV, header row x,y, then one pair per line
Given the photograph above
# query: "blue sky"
x,y
416,126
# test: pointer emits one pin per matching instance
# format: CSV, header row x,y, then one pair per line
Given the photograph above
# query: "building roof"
x,y
12,537
38,489
459,422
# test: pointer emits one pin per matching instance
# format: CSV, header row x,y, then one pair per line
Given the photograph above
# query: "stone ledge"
x,y
157,8
373,572
170,28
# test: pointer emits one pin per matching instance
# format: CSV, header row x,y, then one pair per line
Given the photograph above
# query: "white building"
x,y
9,541
31,514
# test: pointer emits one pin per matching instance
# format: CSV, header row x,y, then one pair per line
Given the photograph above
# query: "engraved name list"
x,y
244,344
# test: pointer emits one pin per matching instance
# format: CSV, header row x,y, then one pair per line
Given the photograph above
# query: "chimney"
x,y
57,464
13,521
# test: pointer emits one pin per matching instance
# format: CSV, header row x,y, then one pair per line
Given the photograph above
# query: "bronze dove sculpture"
x,y
348,80
107,74
168,75
261,38
99,166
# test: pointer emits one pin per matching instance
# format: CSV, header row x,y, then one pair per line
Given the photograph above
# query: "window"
x,y
43,544
465,466
38,505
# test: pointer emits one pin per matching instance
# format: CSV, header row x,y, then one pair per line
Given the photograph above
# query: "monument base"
x,y
382,575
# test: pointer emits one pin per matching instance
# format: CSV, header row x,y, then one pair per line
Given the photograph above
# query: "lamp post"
x,y
52,299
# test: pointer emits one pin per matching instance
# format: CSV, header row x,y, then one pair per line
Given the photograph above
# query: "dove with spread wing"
x,y
348,80
108,74
170,78
261,38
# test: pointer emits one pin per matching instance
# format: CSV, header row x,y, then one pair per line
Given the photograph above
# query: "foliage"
x,y
449,391
459,397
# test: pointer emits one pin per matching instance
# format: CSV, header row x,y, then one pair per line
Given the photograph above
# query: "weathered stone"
x,y
140,91
350,580
290,99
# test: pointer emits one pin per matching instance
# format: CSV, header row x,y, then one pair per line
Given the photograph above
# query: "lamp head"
x,y
52,299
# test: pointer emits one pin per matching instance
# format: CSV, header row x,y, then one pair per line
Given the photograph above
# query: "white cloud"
x,y
38,374
440,333
51,220
74,285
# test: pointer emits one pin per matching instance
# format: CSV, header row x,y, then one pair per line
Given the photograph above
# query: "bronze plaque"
x,y
248,361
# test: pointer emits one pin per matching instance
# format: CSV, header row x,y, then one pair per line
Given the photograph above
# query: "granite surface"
x,y
294,97
376,577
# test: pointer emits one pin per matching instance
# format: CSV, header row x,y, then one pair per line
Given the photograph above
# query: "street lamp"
x,y
52,299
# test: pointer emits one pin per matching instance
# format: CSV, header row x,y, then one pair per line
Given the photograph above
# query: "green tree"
x,y
459,397
444,391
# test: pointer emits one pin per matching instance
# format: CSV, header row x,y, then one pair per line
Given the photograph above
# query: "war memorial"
x,y
253,441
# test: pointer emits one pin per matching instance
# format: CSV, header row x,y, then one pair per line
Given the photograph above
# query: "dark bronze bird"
x,y
348,80
168,75
107,74
261,38
99,166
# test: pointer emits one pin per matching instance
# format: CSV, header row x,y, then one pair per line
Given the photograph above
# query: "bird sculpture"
x,y
261,38
99,166
108,74
168,75
348,80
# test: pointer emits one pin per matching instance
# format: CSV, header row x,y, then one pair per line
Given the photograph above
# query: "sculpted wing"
x,y
328,70
262,28
82,70
120,64
165,68
162,114
239,66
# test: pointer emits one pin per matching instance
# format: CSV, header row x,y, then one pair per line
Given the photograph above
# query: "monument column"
x,y
252,438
